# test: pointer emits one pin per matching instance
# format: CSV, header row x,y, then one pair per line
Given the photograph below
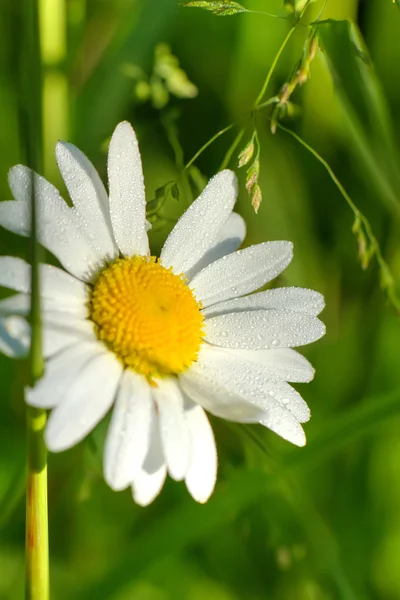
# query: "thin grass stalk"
x,y
55,85
36,548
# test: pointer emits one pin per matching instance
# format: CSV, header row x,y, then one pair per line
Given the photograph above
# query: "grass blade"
x,y
364,107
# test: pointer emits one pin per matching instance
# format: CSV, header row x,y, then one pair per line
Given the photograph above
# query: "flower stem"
x,y
37,553
30,101
37,539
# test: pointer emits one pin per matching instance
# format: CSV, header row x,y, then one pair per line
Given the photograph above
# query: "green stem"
x,y
37,543
277,57
273,66
267,14
171,132
37,552
231,150
273,100
260,96
210,141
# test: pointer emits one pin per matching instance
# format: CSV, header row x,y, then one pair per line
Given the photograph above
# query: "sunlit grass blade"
x,y
364,107
104,93
331,436
13,494
355,423
187,524
55,93
368,245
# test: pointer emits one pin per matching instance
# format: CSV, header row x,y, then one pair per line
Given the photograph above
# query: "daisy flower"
x,y
161,340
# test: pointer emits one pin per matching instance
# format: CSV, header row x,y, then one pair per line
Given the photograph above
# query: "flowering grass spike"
x,y
159,339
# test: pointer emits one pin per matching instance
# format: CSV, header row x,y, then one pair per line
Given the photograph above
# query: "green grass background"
x,y
319,523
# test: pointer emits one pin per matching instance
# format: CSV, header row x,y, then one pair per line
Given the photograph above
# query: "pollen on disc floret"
x,y
147,316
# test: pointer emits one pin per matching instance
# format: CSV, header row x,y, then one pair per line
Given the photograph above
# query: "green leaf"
x,y
161,195
13,494
97,114
337,433
219,8
175,191
361,227
364,107
184,526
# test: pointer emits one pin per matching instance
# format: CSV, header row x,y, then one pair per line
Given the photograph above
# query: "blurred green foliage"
x,y
319,523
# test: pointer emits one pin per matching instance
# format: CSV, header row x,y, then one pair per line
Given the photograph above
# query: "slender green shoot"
x,y
362,227
229,153
277,57
207,144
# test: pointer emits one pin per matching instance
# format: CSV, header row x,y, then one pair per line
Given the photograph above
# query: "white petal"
x,y
283,362
54,341
149,480
286,425
202,473
70,325
229,239
89,197
59,226
290,298
129,433
241,272
55,283
87,401
258,329
15,333
126,188
15,274
174,429
14,336
61,373
21,304
198,228
252,381
216,399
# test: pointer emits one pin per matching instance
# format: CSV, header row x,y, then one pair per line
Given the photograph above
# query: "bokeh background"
x,y
317,523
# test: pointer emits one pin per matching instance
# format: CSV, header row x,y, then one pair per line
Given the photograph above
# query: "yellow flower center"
x,y
147,315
